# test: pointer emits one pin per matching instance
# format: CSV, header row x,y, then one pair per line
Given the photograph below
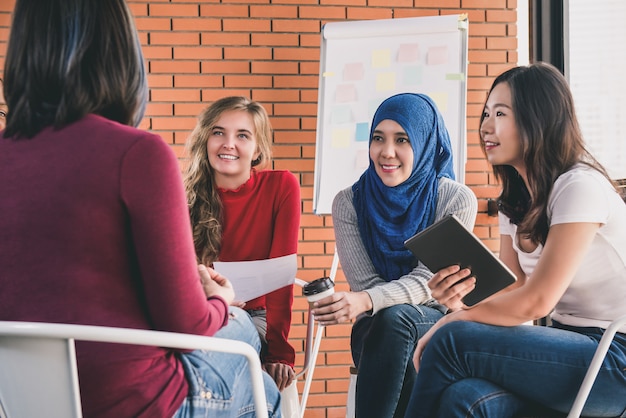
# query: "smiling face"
x,y
391,153
231,147
498,130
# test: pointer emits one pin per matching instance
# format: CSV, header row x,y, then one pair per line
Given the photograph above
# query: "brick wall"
x,y
197,51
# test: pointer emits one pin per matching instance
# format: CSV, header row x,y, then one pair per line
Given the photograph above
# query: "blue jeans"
x,y
476,370
219,383
382,350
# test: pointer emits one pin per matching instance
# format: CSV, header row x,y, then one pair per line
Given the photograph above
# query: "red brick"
x,y
249,81
274,11
196,24
247,53
225,39
174,38
488,29
197,52
225,67
296,25
297,81
246,25
444,4
501,15
197,80
157,52
318,12
283,151
274,39
174,67
365,13
271,67
173,9
160,80
275,95
153,23
222,10
484,4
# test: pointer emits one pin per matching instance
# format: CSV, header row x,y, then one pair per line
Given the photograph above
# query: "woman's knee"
x,y
478,398
240,327
416,319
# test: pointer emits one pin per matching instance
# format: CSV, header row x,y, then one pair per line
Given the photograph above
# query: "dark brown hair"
x,y
68,58
552,143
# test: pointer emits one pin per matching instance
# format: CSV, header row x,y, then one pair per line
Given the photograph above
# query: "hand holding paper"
x,y
252,279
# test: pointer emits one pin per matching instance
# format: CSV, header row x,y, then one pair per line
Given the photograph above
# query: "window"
x,y
595,65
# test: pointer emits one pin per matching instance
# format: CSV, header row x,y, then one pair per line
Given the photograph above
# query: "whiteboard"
x,y
364,62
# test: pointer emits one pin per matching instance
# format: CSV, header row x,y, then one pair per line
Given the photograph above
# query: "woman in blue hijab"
x,y
408,186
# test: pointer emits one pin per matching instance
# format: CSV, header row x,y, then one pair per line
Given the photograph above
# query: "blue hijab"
x,y
387,216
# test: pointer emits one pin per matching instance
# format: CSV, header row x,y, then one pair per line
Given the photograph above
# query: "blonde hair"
x,y
205,205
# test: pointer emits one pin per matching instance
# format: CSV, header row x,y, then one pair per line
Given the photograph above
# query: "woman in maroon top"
x,y
94,220
240,212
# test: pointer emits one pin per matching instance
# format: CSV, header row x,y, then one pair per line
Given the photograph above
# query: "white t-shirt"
x,y
597,294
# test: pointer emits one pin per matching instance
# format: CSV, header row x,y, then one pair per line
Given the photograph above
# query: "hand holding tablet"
x,y
448,242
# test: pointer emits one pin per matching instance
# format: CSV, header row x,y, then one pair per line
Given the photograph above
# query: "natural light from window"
x,y
595,64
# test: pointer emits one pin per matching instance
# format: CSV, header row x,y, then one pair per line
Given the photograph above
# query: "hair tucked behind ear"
x,y
552,144
205,205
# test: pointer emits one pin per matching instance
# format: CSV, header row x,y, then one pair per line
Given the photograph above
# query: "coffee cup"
x,y
318,289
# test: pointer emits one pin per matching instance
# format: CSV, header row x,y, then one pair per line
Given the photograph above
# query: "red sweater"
x,y
95,230
261,221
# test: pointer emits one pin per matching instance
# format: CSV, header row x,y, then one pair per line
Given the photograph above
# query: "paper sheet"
x,y
252,279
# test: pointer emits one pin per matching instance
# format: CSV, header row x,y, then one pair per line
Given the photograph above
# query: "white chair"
x,y
292,407
292,404
594,366
38,373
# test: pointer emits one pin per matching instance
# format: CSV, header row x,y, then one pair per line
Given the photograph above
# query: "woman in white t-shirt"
x,y
563,232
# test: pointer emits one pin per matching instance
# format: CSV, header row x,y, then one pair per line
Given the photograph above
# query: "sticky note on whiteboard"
x,y
381,58
437,55
455,76
362,132
340,138
408,53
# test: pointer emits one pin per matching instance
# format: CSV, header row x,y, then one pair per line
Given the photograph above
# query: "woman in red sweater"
x,y
94,220
240,212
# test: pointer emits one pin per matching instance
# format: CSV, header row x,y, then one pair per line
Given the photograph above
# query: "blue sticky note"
x,y
362,132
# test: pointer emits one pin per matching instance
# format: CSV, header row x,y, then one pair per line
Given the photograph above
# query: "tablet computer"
x,y
448,242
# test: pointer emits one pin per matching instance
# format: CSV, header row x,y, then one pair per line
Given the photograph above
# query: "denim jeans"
x,y
476,370
219,383
382,349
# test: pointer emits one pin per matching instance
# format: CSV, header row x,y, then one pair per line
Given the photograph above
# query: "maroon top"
x,y
95,230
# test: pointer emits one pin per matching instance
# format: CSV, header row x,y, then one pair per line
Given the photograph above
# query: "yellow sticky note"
x,y
381,58
340,138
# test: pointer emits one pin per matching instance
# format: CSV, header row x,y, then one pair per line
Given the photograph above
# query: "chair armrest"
x,y
594,366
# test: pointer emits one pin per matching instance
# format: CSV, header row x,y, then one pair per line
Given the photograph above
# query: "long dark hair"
x,y
552,144
68,58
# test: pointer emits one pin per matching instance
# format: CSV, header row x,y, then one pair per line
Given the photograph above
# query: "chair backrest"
x,y
38,378
38,375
